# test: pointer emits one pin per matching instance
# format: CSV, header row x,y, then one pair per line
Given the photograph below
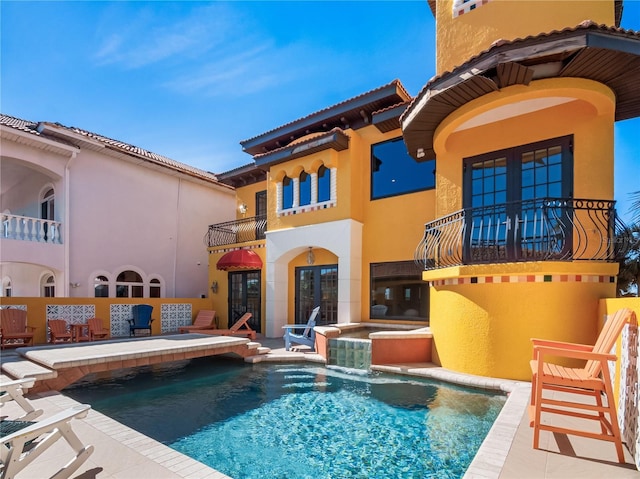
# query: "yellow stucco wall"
x,y
458,39
247,195
37,309
588,116
485,328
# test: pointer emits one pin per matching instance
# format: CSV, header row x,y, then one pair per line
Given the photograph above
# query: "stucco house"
x,y
507,157
84,215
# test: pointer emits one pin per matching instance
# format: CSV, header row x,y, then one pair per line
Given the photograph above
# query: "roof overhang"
x,y
605,54
335,139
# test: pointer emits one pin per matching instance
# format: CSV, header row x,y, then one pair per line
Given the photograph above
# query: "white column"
x,y
296,192
314,188
278,196
334,184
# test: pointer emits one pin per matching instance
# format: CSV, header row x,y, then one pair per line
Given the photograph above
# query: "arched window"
x,y
305,188
101,286
324,184
129,285
47,212
48,286
155,288
287,193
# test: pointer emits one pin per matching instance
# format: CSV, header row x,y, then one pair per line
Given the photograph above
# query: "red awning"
x,y
241,258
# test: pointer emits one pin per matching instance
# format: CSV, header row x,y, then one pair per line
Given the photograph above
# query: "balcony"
x,y
550,229
25,228
239,231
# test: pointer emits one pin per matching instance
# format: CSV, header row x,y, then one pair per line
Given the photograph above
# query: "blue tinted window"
x,y
394,172
287,193
305,189
324,184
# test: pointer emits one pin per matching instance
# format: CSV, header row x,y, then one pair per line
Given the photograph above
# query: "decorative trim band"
x,y
460,7
529,278
307,208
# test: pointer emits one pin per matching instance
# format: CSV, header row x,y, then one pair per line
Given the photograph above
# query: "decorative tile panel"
x,y
71,313
119,316
629,401
174,315
526,278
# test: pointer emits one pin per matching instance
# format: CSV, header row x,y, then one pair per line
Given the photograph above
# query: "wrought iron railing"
x,y
550,229
239,231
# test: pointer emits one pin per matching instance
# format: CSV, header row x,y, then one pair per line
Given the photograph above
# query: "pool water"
x,y
299,421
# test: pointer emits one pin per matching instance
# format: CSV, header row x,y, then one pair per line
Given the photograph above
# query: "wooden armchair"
x,y
593,380
96,330
204,320
59,331
14,331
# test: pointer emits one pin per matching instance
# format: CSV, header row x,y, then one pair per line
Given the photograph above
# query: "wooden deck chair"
x,y
59,331
308,336
22,447
14,391
204,320
593,380
239,328
14,331
96,330
141,319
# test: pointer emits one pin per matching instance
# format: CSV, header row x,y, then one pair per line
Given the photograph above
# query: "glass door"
x,y
244,296
317,286
515,203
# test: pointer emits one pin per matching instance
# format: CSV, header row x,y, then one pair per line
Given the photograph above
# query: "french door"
x,y
317,286
513,202
244,297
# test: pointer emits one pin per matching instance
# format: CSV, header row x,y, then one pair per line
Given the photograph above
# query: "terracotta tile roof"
x,y
354,113
609,55
44,130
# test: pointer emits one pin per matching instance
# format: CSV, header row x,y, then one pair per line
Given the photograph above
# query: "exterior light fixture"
x,y
242,208
74,285
311,258
214,287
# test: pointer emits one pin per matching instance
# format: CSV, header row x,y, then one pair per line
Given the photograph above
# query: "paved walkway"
x,y
123,453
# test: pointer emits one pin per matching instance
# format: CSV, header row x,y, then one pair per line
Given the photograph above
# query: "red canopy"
x,y
240,258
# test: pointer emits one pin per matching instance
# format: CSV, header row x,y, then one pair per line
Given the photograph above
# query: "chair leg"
x,y
613,416
536,398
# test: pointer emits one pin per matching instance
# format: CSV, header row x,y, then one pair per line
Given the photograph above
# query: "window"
x,y
324,184
305,188
287,193
48,286
398,292
155,289
394,172
101,287
129,285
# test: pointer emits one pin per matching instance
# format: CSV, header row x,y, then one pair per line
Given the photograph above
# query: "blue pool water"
x,y
299,421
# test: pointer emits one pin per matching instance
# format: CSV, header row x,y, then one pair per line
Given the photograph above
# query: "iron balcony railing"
x,y
239,231
550,229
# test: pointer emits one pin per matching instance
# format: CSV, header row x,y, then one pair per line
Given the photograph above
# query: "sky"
x,y
189,80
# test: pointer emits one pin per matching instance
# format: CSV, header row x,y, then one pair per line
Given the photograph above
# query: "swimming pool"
x,y
299,421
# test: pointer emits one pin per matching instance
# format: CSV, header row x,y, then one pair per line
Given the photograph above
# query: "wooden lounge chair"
x,y
14,331
30,439
96,330
14,391
308,336
593,380
59,331
239,328
141,319
204,320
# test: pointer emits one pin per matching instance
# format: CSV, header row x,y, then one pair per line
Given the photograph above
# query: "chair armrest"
x,y
32,328
46,425
294,326
572,354
560,344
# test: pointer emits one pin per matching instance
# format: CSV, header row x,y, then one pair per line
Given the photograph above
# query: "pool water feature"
x,y
349,352
299,421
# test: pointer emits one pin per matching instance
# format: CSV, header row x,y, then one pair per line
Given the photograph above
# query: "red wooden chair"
x,y
96,330
59,331
14,331
204,320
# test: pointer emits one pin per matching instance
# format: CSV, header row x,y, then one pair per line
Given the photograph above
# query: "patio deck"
x,y
506,453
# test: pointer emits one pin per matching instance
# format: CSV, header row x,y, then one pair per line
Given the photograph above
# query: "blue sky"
x,y
190,80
